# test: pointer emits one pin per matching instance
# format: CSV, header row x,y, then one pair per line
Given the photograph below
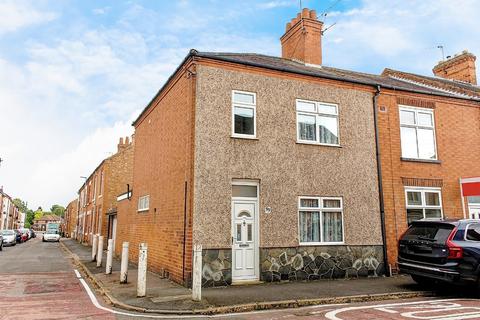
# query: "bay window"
x,y
320,220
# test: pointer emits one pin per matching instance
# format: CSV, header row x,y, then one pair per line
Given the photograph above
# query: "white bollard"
x,y
142,270
124,263
108,267
94,247
197,273
100,251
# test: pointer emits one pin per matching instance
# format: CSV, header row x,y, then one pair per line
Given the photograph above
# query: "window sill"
x,y
243,137
420,160
304,244
143,210
319,144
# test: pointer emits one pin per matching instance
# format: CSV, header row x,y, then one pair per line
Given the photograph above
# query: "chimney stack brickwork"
x,y
461,67
303,38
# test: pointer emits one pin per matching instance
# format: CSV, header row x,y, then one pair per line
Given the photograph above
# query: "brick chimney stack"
x,y
123,143
303,38
461,67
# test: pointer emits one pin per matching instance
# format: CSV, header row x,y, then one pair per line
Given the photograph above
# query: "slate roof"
x,y
277,63
384,80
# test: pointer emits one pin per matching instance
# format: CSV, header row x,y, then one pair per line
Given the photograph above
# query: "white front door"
x,y
244,240
474,211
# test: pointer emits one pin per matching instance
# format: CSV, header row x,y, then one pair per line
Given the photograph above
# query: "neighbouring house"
x,y
9,212
429,146
98,195
286,169
41,223
70,219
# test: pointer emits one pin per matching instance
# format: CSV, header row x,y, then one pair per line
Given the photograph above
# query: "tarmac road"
x,y
38,281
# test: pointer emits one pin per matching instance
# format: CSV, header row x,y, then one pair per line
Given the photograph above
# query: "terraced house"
x,y
285,169
98,195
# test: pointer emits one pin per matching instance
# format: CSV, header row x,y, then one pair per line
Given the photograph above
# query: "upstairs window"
x,y
317,123
244,114
423,203
143,203
417,130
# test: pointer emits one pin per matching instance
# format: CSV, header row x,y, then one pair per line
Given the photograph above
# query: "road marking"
x,y
332,315
77,273
95,302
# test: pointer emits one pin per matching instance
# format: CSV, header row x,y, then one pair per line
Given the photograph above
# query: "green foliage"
x,y
29,218
38,214
22,205
58,210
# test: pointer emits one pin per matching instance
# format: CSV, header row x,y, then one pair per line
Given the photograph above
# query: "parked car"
x,y
1,242
32,233
51,235
23,235
9,237
18,236
445,250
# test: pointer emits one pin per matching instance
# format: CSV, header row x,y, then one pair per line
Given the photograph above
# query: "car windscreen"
x,y
51,232
435,233
8,232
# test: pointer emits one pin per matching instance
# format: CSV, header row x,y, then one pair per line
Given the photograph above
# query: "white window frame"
x,y
417,126
320,209
143,198
317,115
247,106
423,206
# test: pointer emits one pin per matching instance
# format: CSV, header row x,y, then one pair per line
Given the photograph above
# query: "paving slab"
x,y
164,295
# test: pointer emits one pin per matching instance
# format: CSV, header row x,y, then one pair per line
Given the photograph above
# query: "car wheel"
x,y
423,281
1,246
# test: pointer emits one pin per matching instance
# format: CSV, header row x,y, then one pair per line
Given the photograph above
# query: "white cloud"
x,y
277,4
18,14
100,11
400,34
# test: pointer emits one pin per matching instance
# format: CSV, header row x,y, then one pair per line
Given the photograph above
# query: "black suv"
x,y
446,250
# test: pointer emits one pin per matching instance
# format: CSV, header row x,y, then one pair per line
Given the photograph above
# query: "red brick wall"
x,y
162,164
458,137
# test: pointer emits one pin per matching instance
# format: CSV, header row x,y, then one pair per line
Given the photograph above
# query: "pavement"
x,y
164,296
41,281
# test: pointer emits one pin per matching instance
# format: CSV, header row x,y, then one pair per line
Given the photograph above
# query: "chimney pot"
x,y
303,41
461,67
288,26
305,13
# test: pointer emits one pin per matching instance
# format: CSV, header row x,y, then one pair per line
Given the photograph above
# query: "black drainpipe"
x,y
380,184
184,230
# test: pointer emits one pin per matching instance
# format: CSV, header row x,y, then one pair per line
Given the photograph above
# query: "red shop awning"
x,y
470,186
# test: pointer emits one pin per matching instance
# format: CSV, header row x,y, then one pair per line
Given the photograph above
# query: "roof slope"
x,y
384,80
446,85
277,63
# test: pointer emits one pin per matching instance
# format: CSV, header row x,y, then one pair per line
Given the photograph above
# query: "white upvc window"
x,y
320,220
244,118
317,123
417,131
143,203
423,203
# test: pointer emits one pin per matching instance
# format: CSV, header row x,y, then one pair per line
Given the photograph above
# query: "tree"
x,y
38,214
58,210
21,205
29,218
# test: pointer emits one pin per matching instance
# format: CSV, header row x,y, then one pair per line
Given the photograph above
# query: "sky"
x,y
75,73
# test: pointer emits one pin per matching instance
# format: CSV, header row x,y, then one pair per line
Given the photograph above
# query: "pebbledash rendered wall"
x,y
285,170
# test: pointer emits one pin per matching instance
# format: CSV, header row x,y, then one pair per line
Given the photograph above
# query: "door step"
x,y
246,282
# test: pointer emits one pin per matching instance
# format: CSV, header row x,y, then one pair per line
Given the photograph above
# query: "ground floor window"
x,y
320,220
423,203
